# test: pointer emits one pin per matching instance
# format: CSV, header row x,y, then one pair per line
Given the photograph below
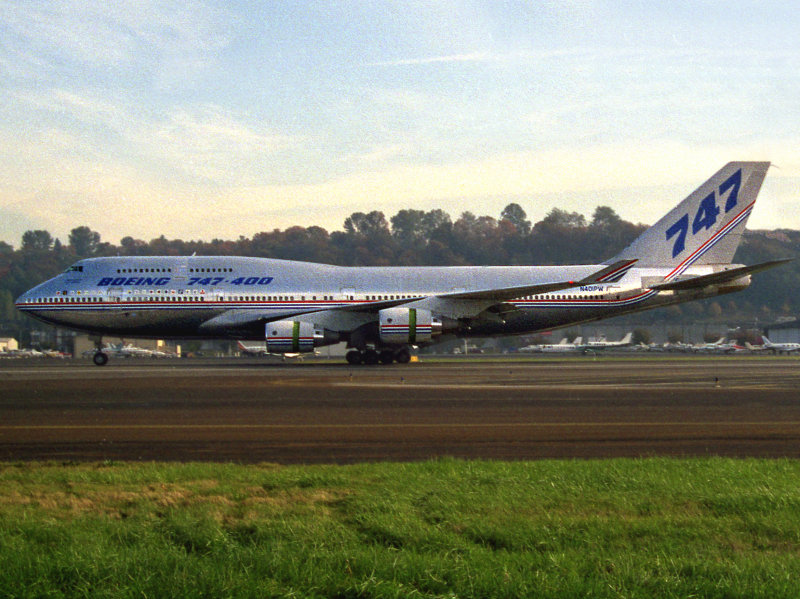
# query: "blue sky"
x,y
199,120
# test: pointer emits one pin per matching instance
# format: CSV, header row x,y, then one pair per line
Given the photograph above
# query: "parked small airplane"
x,y
562,346
601,344
708,347
381,312
780,348
260,349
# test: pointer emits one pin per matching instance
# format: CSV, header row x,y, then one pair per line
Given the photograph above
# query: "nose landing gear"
x,y
100,358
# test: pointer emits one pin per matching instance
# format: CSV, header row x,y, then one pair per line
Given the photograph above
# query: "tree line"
x,y
417,237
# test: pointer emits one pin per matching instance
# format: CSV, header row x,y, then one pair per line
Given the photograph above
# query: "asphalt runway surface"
x,y
250,410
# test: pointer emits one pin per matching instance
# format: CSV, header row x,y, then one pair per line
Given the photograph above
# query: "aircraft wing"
x,y
502,294
243,319
717,278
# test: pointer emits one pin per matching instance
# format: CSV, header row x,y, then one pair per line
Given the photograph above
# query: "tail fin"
x,y
706,227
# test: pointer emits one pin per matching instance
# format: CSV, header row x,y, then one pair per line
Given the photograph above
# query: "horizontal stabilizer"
x,y
717,278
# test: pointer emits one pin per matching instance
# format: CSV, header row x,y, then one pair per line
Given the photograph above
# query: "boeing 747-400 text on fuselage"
x,y
381,312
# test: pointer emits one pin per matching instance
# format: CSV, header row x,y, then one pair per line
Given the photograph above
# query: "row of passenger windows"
x,y
94,300
559,297
145,270
268,298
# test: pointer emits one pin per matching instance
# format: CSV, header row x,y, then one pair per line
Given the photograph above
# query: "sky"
x,y
202,120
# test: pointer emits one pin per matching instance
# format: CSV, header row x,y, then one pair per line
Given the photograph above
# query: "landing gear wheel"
x,y
354,357
403,356
386,356
100,359
370,357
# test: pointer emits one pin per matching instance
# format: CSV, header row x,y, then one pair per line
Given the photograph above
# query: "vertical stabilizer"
x,y
707,226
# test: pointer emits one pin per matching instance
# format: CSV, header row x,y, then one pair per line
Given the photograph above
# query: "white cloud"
x,y
167,40
470,57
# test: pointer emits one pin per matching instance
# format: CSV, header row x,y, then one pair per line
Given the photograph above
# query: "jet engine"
x,y
292,336
407,326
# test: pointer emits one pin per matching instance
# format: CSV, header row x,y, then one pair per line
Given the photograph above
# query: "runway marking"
x,y
385,425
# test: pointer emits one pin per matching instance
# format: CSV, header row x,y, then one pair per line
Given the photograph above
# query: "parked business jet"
x,y
563,346
381,312
780,348
601,344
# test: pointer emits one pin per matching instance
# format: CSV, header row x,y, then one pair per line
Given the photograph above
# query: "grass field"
x,y
446,528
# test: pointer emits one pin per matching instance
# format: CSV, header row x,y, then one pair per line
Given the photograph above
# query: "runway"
x,y
326,412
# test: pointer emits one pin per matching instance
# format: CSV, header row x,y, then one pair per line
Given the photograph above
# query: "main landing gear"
x,y
371,356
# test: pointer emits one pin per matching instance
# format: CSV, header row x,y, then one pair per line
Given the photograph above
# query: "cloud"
x,y
471,57
641,182
190,142
158,39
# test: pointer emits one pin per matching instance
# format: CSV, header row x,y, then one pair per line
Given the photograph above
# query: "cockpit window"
x,y
74,268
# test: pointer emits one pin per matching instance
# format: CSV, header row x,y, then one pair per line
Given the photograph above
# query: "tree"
x,y
7,310
514,214
38,240
561,218
133,247
408,226
370,224
605,218
84,241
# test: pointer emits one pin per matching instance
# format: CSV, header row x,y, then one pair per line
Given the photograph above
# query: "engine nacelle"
x,y
292,336
407,326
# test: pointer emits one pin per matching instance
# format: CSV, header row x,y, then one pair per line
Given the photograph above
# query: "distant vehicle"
x,y
382,312
469,349
780,348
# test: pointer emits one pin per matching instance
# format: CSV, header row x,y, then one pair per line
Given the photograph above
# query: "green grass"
x,y
445,528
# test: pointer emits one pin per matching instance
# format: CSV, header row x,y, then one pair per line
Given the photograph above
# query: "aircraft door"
x,y
115,294
179,273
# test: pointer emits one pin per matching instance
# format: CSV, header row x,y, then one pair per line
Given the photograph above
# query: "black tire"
x,y
371,357
403,356
354,357
386,356
100,359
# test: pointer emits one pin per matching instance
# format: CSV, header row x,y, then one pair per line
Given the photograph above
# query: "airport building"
x,y
787,331
8,344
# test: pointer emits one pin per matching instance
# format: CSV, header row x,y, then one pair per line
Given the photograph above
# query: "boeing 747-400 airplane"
x,y
381,312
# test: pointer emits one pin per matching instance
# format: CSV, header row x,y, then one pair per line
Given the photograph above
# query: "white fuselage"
x,y
185,297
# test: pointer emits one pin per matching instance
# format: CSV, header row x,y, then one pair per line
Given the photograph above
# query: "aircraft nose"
x,y
23,301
